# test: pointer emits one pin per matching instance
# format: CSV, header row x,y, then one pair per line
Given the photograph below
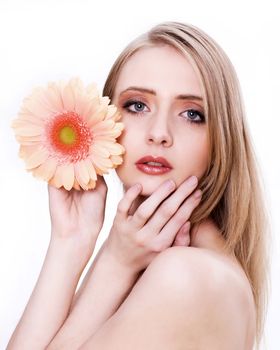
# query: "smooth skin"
x,y
70,249
156,282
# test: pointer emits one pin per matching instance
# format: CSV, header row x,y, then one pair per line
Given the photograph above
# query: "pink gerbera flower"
x,y
68,134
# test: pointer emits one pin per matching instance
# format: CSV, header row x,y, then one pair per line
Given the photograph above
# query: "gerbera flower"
x,y
67,134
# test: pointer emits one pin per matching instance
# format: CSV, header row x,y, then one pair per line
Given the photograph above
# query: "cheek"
x,y
129,141
129,138
203,155
196,155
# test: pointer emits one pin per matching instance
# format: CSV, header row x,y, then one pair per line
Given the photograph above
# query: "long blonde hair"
x,y
232,189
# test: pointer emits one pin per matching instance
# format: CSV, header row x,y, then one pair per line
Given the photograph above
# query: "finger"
x,y
100,187
183,236
147,208
169,231
100,182
127,200
170,206
55,192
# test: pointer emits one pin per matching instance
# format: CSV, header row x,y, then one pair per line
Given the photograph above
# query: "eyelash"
x,y
129,103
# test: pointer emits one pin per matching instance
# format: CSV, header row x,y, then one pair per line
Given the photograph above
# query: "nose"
x,y
158,132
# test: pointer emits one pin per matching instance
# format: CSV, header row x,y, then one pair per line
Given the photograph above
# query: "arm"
x,y
76,219
53,291
132,244
108,285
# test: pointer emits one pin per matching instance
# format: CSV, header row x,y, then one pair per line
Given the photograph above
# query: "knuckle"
x,y
121,207
197,196
161,244
158,247
140,240
140,214
181,217
166,210
188,207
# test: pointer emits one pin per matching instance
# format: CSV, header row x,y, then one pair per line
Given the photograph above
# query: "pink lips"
x,y
152,169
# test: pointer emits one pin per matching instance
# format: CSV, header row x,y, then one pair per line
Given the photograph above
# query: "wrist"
x,y
120,268
77,251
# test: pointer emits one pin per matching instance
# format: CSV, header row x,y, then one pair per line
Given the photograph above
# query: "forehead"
x,y
161,68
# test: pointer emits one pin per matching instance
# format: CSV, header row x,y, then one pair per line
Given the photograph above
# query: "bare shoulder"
x,y
181,265
217,288
209,265
187,298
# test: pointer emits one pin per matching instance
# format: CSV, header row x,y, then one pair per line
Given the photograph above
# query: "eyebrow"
x,y
152,92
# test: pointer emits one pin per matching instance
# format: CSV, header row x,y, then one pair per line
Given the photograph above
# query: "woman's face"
x,y
160,99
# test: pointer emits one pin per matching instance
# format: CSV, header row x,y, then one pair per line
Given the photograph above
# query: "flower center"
x,y
69,137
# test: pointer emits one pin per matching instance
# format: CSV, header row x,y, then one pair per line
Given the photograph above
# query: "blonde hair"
x,y
232,191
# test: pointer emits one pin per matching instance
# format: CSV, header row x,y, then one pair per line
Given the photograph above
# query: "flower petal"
x,y
37,158
103,126
92,91
26,151
82,174
109,133
28,130
104,100
55,181
101,165
24,119
46,170
40,95
35,107
76,185
91,170
53,94
96,116
113,147
116,160
29,140
66,174
94,155
98,150
91,184
111,111
77,84
82,105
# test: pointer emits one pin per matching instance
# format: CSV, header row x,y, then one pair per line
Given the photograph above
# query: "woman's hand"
x,y
158,223
78,215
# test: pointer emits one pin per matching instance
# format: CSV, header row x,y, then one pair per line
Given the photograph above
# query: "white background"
x,y
43,41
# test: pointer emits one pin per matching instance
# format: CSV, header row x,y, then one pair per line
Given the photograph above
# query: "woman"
x,y
184,265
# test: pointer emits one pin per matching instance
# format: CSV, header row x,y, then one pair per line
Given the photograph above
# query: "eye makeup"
x,y
137,106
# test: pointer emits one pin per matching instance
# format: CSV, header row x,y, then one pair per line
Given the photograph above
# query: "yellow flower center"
x,y
67,135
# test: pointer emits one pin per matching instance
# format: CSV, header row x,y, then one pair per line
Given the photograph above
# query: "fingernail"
x,y
170,184
197,194
138,187
192,180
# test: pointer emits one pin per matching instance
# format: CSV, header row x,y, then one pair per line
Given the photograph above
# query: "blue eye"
x,y
194,116
138,106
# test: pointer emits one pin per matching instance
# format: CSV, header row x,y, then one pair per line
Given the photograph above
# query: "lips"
x,y
153,165
162,161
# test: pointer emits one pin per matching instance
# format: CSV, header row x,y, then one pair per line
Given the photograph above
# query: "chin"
x,y
149,186
147,190
150,183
